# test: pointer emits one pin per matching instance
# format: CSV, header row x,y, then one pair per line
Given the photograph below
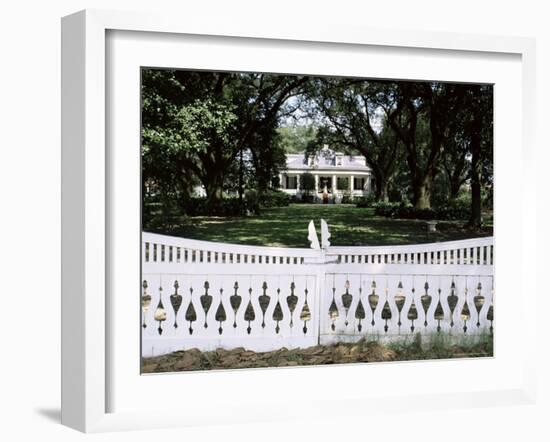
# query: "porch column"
x,y
297,182
316,182
281,184
351,183
334,183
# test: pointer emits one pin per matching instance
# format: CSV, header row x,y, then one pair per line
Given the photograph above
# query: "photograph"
x,y
302,220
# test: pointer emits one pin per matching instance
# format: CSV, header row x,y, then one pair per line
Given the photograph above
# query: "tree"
x,y
455,165
209,118
296,138
267,156
161,177
230,131
457,156
422,119
351,109
184,123
480,132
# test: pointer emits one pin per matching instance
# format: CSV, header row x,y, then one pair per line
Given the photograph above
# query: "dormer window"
x,y
339,161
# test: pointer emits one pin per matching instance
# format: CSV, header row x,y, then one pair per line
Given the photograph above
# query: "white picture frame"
x,y
87,216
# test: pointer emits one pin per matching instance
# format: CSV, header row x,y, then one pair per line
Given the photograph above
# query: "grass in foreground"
x,y
361,351
287,227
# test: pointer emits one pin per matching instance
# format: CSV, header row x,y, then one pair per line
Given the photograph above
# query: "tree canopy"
x,y
227,132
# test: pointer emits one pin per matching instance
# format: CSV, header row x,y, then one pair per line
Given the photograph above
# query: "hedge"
x,y
399,210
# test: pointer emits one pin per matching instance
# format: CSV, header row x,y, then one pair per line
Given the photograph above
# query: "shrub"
x,y
365,201
399,210
307,182
347,199
457,210
274,198
342,183
387,209
198,206
307,198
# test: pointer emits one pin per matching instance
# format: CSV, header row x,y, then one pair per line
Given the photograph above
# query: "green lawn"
x,y
287,227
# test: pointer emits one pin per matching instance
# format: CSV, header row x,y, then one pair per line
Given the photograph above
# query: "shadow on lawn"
x,y
287,226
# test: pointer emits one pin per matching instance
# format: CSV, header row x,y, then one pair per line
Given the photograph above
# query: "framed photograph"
x,y
238,171
279,219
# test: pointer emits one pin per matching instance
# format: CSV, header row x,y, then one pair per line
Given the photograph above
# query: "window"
x,y
358,183
325,181
291,182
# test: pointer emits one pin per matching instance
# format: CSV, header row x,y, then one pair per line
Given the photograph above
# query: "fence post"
x,y
321,278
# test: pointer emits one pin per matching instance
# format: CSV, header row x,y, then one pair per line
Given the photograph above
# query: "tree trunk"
x,y
383,190
454,189
475,175
184,192
213,198
241,189
475,214
380,185
214,192
455,168
422,193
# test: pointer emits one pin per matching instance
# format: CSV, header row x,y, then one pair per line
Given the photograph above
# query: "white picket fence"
x,y
207,295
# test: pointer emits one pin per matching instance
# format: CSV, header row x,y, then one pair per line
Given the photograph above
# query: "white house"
x,y
336,174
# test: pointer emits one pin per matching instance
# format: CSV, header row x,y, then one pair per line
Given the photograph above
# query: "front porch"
x,y
327,187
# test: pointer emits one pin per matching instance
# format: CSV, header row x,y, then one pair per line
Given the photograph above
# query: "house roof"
x,y
326,160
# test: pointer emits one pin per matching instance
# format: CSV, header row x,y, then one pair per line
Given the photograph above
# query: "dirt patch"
x,y
341,353
240,358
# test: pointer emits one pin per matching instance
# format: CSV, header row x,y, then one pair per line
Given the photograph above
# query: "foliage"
x,y
347,198
365,201
426,142
267,157
352,122
451,211
225,207
199,206
307,182
306,198
387,209
439,346
274,198
416,137
342,183
297,139
198,126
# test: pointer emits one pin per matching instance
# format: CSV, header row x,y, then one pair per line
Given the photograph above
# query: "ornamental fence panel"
x,y
208,295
